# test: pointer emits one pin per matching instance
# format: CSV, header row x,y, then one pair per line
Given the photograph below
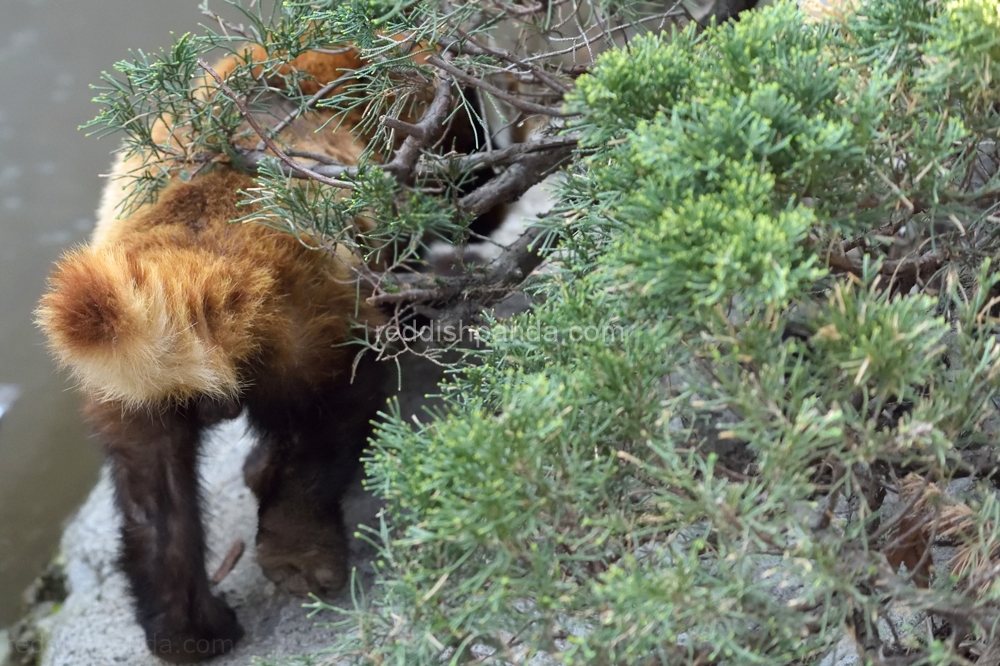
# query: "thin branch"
x,y
493,157
409,296
587,41
540,74
339,51
532,162
409,129
308,104
517,261
895,190
227,26
232,557
907,267
262,133
528,107
890,229
475,291
316,157
480,288
250,159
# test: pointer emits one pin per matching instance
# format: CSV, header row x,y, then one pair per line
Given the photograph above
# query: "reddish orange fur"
x,y
173,301
173,318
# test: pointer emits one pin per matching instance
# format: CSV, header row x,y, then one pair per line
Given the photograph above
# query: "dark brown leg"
x,y
310,443
153,458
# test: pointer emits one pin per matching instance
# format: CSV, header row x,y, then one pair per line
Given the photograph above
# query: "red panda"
x,y
173,319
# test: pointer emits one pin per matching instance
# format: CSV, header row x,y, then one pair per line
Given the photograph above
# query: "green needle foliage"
x,y
774,308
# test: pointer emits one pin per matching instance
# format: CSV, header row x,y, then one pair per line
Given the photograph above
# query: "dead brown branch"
x,y
229,561
525,172
405,159
527,164
250,159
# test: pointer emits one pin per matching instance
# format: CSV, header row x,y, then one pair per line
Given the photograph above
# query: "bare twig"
x,y
227,26
907,267
476,291
890,229
321,158
262,133
308,104
516,102
514,181
334,51
991,655
587,41
493,157
410,296
531,163
409,129
475,48
895,190
229,561
250,159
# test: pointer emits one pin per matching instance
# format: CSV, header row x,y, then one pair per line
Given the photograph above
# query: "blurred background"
x,y
50,53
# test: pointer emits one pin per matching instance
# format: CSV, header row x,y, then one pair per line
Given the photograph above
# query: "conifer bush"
x,y
751,416
578,499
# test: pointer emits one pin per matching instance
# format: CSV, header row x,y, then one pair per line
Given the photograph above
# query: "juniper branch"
x,y
421,134
262,133
516,102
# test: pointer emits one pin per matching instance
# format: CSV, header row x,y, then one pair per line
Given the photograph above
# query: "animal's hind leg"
x,y
311,439
153,459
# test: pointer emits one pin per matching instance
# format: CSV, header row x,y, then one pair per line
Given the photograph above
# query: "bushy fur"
x,y
176,302
171,301
171,319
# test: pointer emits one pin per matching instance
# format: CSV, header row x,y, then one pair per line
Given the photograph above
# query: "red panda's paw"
x,y
302,554
210,631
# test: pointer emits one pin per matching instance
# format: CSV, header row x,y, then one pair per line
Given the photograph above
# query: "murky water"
x,y
50,51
